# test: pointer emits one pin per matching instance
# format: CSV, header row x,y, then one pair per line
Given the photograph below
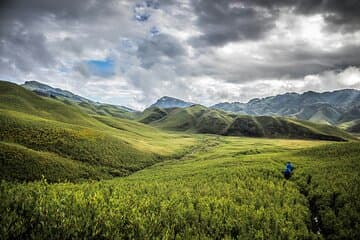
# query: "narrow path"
x,y
315,217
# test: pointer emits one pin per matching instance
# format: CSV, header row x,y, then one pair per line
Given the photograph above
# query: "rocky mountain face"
x,y
170,102
327,107
48,91
236,107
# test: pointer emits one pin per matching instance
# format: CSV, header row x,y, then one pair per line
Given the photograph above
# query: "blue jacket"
x,y
287,171
289,166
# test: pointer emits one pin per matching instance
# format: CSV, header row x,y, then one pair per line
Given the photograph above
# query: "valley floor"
x,y
228,188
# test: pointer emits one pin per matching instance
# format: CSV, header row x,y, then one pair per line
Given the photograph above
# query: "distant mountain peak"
x,y
171,102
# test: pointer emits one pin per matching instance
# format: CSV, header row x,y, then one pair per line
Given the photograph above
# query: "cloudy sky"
x,y
132,52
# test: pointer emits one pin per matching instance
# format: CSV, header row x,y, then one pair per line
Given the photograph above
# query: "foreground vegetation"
x,y
230,188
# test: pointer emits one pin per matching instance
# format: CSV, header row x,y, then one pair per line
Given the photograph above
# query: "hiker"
x,y
290,166
288,170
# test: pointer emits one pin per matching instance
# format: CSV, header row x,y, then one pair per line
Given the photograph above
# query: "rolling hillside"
x,y
352,126
199,119
63,140
43,136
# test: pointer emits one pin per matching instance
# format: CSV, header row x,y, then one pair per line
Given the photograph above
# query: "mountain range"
x,y
328,107
339,108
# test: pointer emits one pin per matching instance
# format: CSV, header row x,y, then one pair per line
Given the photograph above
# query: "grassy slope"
x,y
200,119
24,164
232,188
16,98
151,115
324,129
98,146
352,126
104,110
183,119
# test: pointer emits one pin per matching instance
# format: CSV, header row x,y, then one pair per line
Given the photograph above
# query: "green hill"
x,y
16,98
105,110
43,136
195,118
278,127
152,114
352,126
199,119
181,119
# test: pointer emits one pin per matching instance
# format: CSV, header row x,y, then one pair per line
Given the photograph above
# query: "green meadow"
x,y
67,173
230,188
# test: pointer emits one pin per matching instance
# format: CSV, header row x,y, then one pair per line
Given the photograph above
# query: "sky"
x,y
131,53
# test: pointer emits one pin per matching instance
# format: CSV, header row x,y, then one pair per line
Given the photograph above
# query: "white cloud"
x,y
329,80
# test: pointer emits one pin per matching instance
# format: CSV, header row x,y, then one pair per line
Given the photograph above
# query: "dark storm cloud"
x,y
280,62
303,60
340,14
65,9
226,21
229,20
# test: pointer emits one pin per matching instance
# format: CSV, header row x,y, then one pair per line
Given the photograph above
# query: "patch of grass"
x,y
23,164
105,110
152,115
211,193
352,126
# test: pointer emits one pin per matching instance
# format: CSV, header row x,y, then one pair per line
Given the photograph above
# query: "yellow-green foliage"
x,y
104,110
352,126
111,151
147,138
16,98
80,146
329,176
24,164
324,129
230,188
